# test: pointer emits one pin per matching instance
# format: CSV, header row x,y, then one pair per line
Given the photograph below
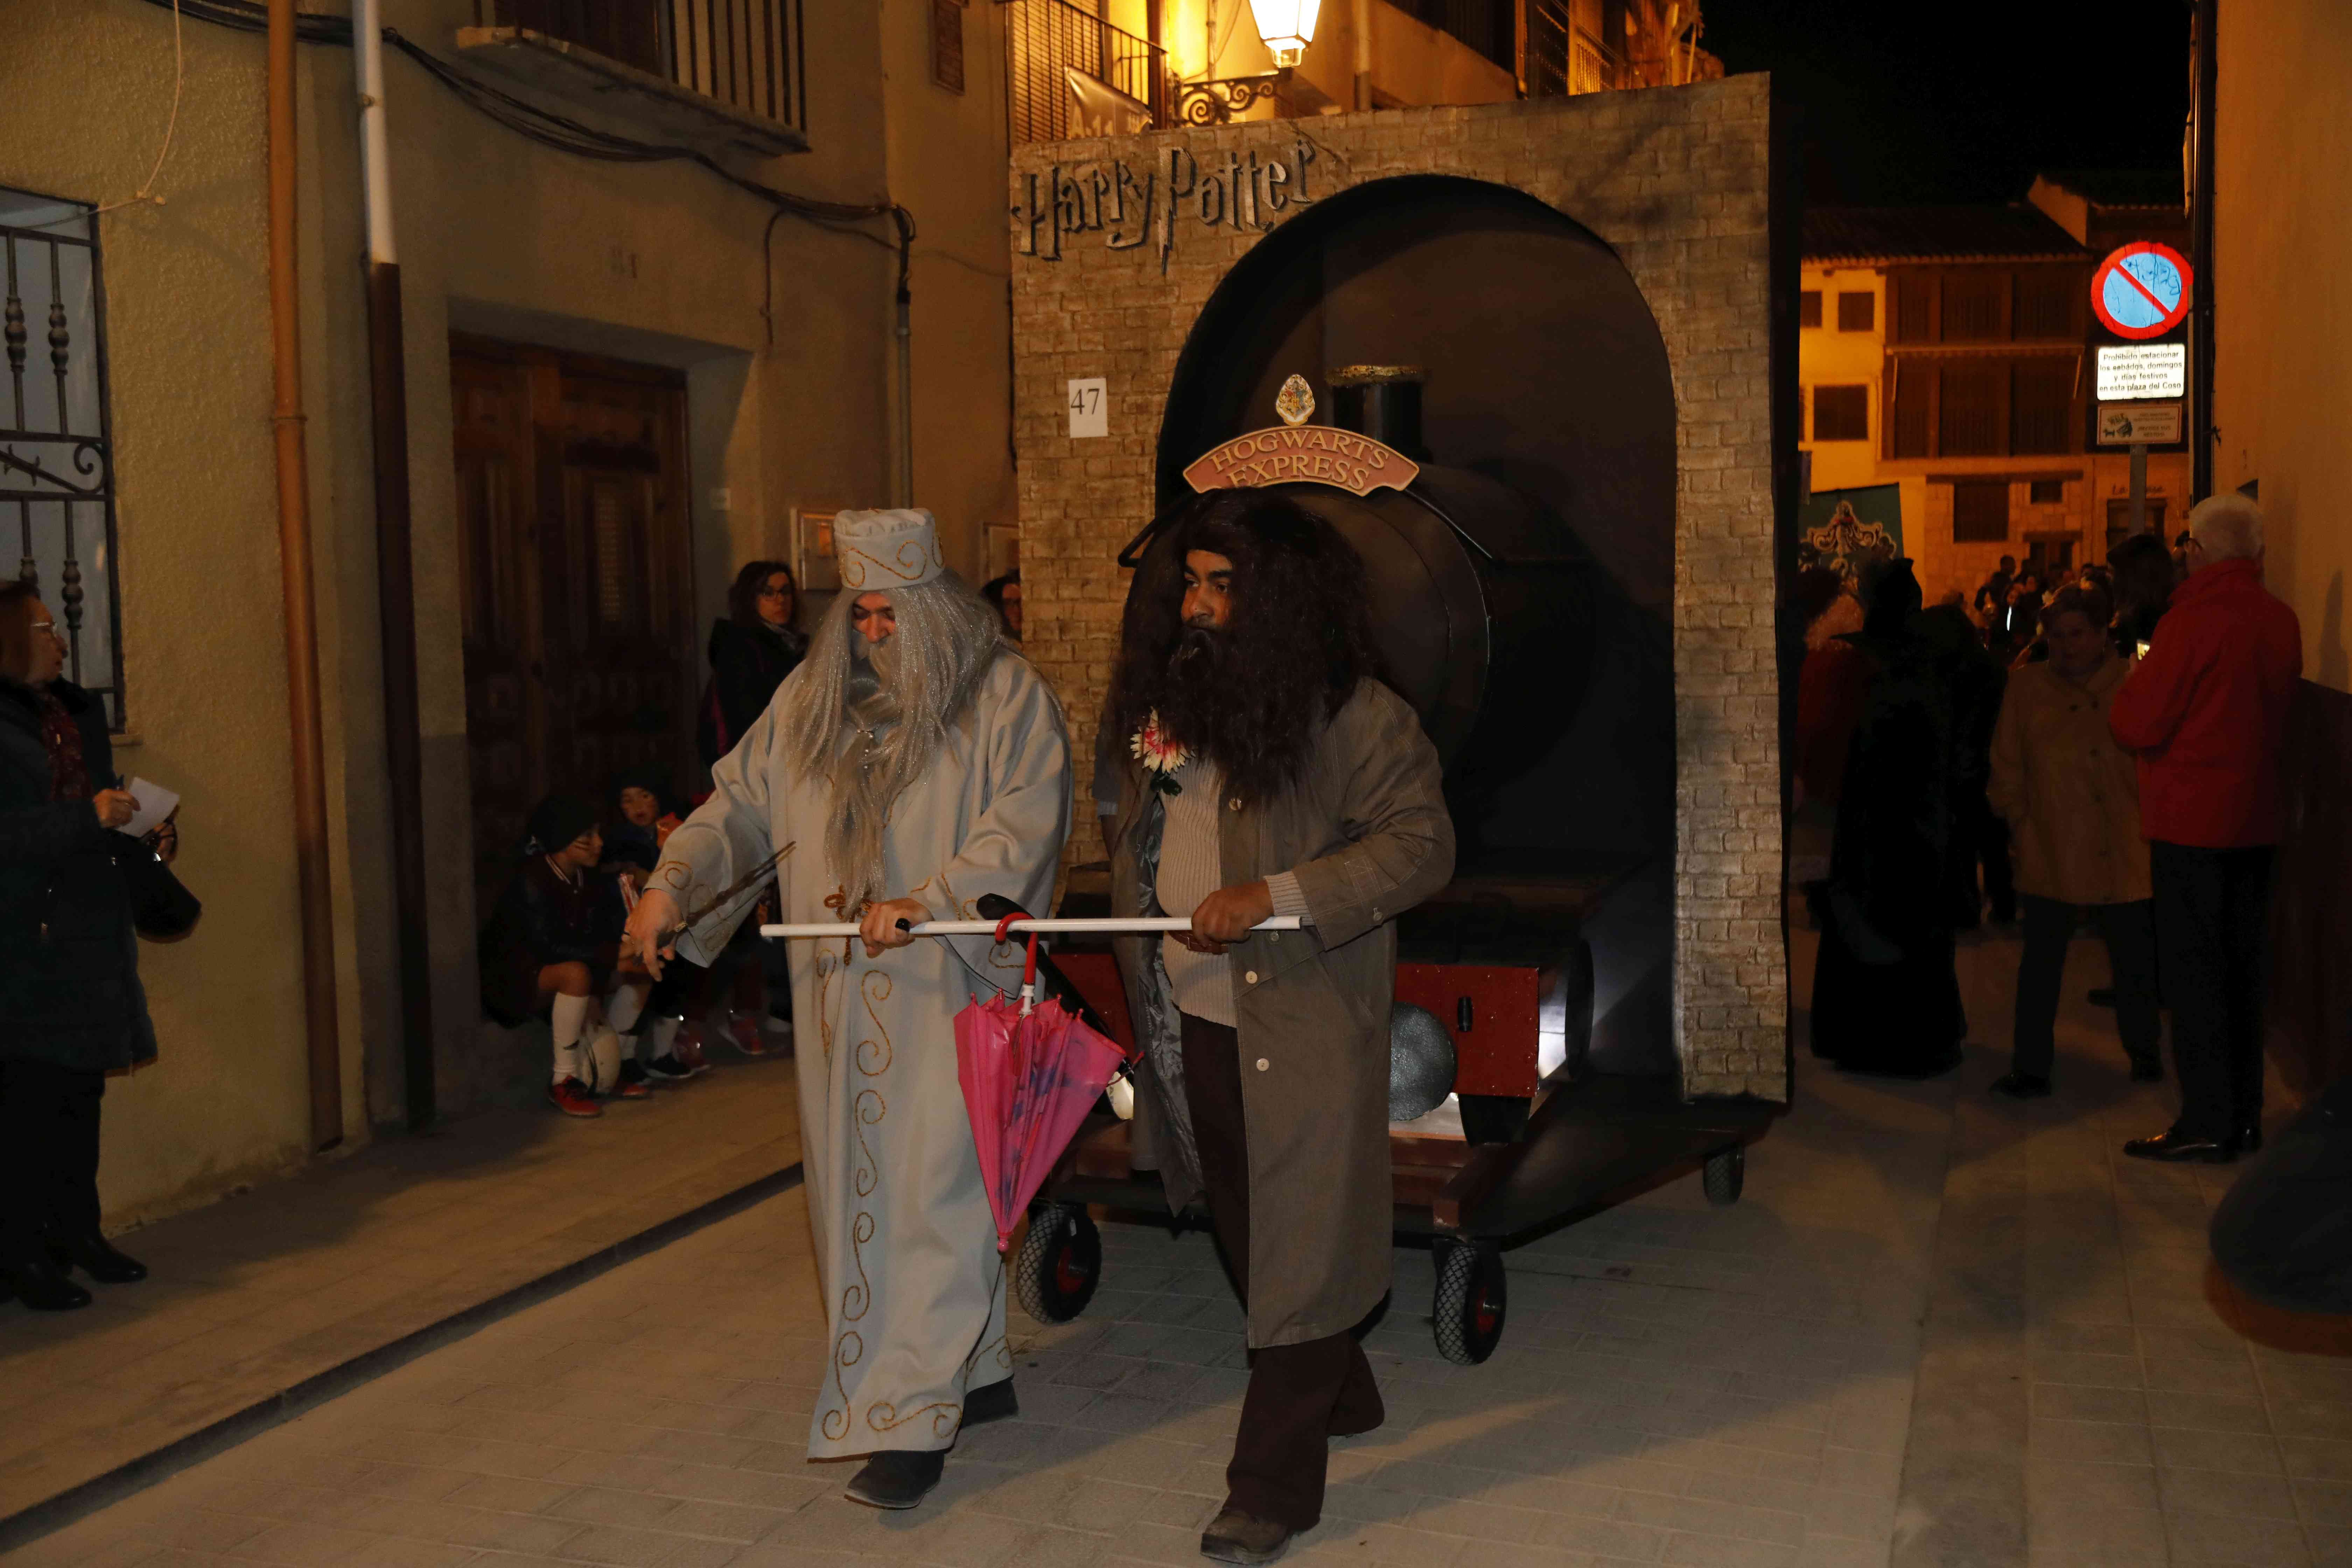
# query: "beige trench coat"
x,y
2071,795
1368,835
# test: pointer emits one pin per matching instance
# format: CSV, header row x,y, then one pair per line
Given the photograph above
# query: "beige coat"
x,y
1368,834
2071,795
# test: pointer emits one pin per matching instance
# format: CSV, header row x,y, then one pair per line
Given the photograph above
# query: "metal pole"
x,y
2200,317
2138,487
904,478
404,743
1098,925
308,744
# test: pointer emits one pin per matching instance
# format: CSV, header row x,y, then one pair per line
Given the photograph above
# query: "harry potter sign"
x,y
1237,190
1303,454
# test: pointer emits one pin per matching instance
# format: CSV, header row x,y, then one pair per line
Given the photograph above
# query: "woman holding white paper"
x,y
71,1009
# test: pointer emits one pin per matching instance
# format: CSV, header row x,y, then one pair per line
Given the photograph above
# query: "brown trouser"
x,y
1300,1396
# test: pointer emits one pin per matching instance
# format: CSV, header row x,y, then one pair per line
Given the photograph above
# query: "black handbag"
x,y
161,907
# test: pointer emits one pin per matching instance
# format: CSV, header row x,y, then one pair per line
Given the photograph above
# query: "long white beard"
x,y
897,700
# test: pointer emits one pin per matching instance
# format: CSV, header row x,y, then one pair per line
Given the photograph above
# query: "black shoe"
x,y
2249,1140
668,1068
2175,1147
897,1477
2102,996
2146,1070
1237,1537
40,1284
993,1403
98,1260
2022,1086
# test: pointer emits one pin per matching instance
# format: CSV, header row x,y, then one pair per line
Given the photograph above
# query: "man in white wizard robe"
x,y
916,762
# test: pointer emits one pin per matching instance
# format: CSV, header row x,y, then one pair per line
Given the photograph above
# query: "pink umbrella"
x,y
1030,1075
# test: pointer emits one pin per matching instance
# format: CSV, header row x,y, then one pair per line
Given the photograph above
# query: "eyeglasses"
x,y
48,626
775,593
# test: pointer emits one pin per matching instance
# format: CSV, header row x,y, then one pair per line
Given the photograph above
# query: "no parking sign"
x,y
2141,290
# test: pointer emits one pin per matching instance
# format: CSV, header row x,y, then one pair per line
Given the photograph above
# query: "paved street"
x,y
1938,1329
301,1278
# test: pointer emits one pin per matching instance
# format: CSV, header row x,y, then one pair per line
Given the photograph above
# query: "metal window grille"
x,y
1562,58
1046,37
56,447
746,54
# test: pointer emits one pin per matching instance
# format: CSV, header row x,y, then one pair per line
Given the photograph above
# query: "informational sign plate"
x,y
2141,290
2128,371
2139,424
1088,412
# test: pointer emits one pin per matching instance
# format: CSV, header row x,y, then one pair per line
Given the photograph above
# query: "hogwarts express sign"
x,y
1302,453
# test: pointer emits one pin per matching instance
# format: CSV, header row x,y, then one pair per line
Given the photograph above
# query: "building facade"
x,y
624,379
1948,352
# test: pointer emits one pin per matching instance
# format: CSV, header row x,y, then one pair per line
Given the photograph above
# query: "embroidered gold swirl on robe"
x,y
867,1111
847,1352
827,968
875,985
946,1416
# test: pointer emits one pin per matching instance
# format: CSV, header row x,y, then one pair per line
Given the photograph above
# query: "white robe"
x,y
905,1243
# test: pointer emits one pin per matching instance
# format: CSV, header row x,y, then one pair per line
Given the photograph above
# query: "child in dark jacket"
x,y
552,944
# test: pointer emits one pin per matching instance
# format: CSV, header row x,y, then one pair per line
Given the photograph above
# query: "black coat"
x,y
543,919
747,665
69,990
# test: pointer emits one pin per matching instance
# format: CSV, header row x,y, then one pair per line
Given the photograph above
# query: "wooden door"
x,y
579,608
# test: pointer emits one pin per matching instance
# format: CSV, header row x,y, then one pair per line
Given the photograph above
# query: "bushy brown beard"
x,y
1196,697
1253,696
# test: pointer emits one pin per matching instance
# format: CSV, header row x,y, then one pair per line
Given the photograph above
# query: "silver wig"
x,y
897,702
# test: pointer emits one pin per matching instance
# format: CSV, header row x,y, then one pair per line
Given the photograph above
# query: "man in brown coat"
x,y
1269,773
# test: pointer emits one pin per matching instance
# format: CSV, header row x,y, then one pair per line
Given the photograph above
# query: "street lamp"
x,y
1286,28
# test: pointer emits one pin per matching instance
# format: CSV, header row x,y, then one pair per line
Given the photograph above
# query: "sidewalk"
x,y
301,1288
1939,1330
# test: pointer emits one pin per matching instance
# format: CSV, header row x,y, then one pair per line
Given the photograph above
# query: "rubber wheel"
x,y
1472,1300
1723,1173
1060,1264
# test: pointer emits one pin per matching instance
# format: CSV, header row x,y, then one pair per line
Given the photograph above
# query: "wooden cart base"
x,y
1588,1144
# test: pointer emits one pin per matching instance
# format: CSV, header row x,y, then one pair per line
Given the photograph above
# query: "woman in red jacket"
x,y
2205,712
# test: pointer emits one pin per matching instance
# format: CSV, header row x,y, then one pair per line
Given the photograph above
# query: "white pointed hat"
x,y
883,550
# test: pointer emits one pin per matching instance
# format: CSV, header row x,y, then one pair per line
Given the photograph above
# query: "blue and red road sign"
x,y
2141,290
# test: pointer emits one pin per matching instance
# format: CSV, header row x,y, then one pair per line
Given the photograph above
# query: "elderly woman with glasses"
x,y
71,1010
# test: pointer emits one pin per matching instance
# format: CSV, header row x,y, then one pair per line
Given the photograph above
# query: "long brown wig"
x,y
1253,698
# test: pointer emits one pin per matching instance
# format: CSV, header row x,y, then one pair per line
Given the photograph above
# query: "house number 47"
x,y
1089,417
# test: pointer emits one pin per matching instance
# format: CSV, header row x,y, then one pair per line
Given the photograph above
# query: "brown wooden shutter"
x,y
1857,312
1973,419
1912,422
1976,306
1841,414
2042,409
1980,512
1809,308
1914,302
2045,302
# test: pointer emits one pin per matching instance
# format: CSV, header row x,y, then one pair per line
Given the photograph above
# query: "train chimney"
x,y
1382,401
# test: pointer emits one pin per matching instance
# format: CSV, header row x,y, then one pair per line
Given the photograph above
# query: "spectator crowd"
x,y
2092,750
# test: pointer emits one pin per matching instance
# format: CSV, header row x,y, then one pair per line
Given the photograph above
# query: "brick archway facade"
x,y
1110,274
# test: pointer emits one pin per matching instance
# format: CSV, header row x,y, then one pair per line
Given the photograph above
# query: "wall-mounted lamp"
x,y
1288,27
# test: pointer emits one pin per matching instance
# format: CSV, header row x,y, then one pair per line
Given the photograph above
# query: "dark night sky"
x,y
1912,101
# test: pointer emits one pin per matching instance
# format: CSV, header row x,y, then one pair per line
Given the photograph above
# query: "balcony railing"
x,y
744,54
1047,40
1564,59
